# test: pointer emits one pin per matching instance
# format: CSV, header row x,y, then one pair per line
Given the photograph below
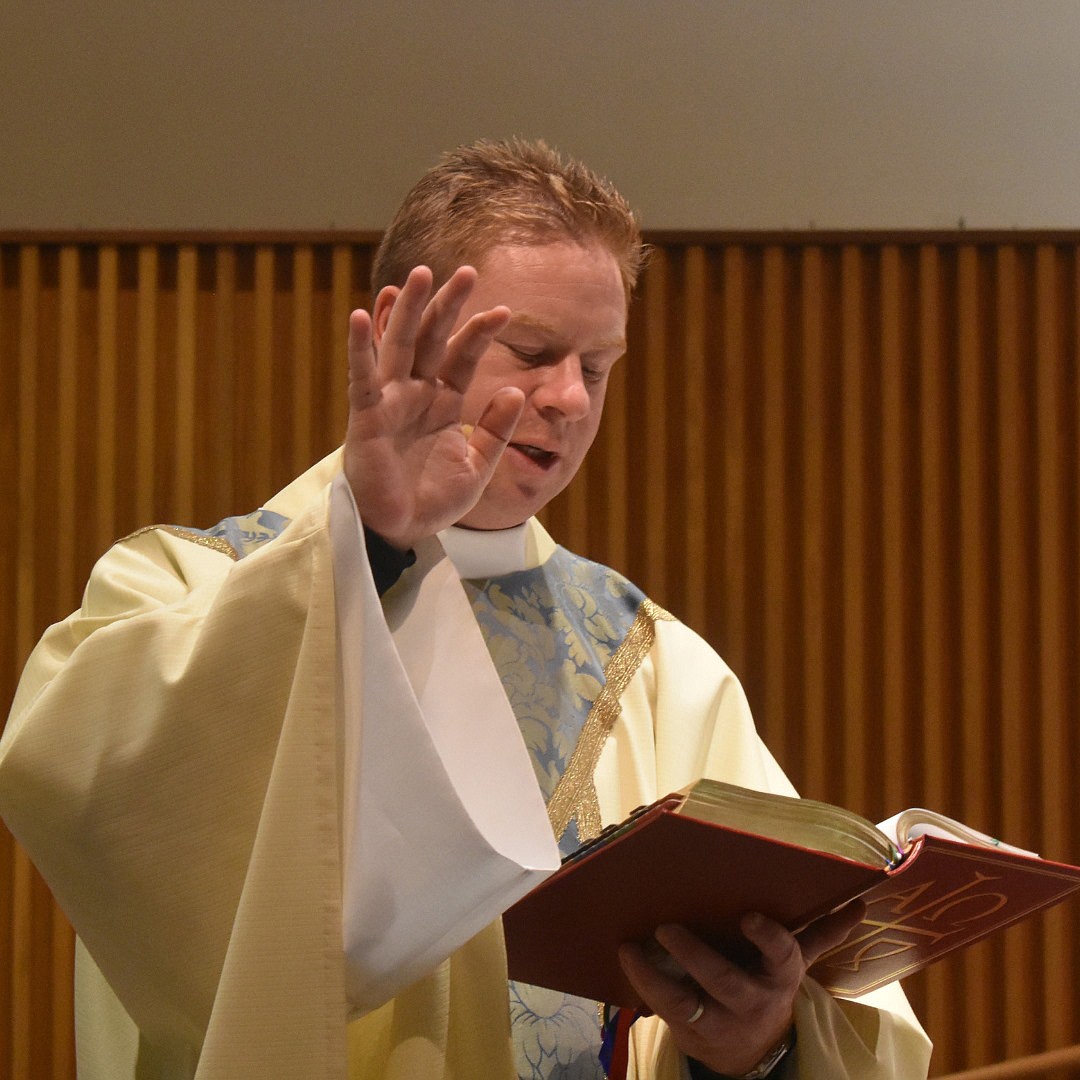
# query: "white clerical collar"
x,y
478,553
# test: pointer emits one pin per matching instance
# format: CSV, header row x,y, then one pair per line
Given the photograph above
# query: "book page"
x,y
818,826
907,826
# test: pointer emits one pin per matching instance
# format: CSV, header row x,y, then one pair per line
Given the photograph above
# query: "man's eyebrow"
x,y
529,322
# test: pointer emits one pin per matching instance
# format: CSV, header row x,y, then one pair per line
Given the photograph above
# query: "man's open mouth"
x,y
535,453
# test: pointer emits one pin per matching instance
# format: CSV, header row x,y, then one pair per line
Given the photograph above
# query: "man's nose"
x,y
562,389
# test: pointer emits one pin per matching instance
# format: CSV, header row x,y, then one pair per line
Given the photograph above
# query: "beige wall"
x,y
710,114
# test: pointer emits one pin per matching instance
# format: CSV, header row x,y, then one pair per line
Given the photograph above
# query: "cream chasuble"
x,y
175,763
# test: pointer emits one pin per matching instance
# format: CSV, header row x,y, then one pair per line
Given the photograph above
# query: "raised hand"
x,y
412,467
720,1014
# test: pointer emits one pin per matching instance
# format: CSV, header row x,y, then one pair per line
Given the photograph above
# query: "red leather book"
x,y
677,862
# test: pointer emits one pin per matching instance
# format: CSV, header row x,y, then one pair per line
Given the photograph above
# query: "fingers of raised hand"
x,y
397,347
437,323
469,344
420,341
420,324
363,375
494,429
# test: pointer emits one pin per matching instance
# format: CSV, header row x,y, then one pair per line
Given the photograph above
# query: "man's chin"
x,y
488,523
510,500
488,518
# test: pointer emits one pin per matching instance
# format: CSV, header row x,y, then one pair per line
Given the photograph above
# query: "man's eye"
x,y
593,374
526,355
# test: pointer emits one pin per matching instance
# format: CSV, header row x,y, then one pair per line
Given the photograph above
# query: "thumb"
x,y
830,930
495,428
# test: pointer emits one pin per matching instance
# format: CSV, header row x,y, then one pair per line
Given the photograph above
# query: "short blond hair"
x,y
498,192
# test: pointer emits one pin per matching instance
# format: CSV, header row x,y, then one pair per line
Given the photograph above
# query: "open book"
x,y
706,855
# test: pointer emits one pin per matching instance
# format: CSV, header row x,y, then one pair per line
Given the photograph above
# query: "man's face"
x,y
567,330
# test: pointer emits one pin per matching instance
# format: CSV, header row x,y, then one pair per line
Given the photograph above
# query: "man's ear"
x,y
380,312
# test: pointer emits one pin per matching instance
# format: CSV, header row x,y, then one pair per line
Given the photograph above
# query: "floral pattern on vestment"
x,y
551,632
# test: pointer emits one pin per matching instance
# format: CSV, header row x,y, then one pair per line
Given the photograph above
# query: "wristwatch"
x,y
771,1060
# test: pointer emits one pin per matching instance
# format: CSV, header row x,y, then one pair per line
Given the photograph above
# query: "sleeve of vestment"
x,y
188,763
170,763
444,825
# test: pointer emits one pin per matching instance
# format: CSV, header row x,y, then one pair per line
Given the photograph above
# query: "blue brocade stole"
x,y
554,634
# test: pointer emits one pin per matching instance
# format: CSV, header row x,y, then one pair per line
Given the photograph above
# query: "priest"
x,y
284,774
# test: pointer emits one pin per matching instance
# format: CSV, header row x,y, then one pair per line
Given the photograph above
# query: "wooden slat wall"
x,y
850,461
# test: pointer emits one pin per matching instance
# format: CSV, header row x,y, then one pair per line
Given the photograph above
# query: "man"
x,y
266,768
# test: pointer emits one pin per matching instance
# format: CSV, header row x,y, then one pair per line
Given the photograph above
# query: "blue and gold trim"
x,y
235,537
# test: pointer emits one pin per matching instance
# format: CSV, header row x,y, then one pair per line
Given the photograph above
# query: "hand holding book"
x,y
727,1017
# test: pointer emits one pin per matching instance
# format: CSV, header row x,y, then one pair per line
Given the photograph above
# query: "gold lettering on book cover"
x,y
915,918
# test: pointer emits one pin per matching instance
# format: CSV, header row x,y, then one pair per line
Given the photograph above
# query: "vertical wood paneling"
x,y
980,1030
301,359
10,485
937,559
661,336
779,610
69,470
731,533
26,1024
65,395
1021,797
184,387
25,289
220,456
896,537
27,1028
105,366
610,499
700,436
851,463
145,419
852,651
813,453
1055,391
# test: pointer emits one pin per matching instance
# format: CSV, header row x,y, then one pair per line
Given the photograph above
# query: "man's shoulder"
x,y
239,535
235,537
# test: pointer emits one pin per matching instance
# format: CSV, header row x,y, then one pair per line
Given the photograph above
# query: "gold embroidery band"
x,y
216,543
575,795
